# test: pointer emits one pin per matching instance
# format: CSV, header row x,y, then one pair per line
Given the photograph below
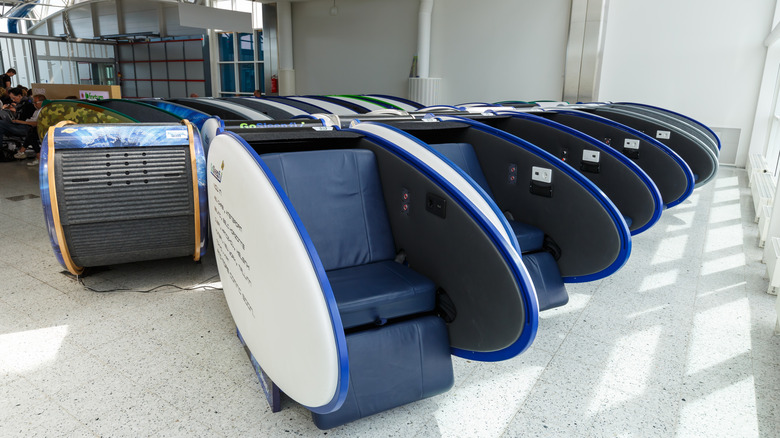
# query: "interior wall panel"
x,y
486,50
703,58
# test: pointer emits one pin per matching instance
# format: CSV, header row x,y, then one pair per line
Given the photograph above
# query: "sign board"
x,y
92,94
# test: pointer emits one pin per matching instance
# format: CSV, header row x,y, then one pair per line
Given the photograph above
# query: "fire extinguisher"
x,y
274,84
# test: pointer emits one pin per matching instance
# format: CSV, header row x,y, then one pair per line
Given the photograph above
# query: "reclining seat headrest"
x,y
338,196
463,156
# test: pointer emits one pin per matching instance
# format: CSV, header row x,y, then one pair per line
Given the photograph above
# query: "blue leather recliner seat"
x,y
398,350
539,262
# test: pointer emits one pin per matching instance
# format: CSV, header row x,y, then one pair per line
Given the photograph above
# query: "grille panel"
x,y
119,205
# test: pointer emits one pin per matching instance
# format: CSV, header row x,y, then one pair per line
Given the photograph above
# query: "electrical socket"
x,y
541,174
631,143
591,156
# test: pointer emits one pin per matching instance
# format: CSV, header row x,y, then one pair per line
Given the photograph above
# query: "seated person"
x,y
5,79
5,99
26,116
31,140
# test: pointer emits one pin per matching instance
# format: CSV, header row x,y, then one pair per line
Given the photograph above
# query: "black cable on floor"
x,y
180,288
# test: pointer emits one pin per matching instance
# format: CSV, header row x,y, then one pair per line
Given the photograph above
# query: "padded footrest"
x,y
381,290
543,269
391,366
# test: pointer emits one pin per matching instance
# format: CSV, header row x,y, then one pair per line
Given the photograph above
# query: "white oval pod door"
x,y
273,279
211,127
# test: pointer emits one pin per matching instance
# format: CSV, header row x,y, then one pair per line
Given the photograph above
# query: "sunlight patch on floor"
x,y
26,351
658,280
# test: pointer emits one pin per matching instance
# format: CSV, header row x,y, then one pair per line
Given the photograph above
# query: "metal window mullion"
x,y
151,75
34,62
167,70
186,84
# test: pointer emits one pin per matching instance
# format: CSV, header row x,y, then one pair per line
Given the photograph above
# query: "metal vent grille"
x,y
120,205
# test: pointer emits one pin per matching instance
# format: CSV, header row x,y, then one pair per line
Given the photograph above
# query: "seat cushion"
x,y
529,237
391,366
463,156
338,196
382,290
550,290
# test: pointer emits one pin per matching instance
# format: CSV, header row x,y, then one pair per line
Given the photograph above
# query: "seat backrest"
x,y
338,196
463,156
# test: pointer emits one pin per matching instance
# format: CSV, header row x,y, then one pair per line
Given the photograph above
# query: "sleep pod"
x,y
224,109
400,102
119,193
355,262
628,186
690,125
669,171
140,111
272,108
698,154
329,105
198,118
308,108
76,111
562,221
369,103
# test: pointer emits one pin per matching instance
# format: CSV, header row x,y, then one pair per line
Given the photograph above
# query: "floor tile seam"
x,y
554,354
140,387
520,407
106,344
756,373
24,242
186,406
215,433
658,418
639,351
50,398
652,388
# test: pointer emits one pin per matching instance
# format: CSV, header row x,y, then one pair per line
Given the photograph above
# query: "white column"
x,y
424,39
285,41
424,89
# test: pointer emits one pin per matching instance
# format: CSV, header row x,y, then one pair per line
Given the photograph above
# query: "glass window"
x,y
226,47
40,47
259,39
227,73
243,5
85,73
44,72
246,74
261,76
243,72
246,50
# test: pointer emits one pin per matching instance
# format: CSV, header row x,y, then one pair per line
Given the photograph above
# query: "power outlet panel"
x,y
591,156
631,143
541,174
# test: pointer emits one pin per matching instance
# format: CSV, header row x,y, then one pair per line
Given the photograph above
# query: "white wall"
x,y
767,99
483,50
703,58
494,50
366,48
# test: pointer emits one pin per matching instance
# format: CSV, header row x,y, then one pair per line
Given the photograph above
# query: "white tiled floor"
x,y
678,343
